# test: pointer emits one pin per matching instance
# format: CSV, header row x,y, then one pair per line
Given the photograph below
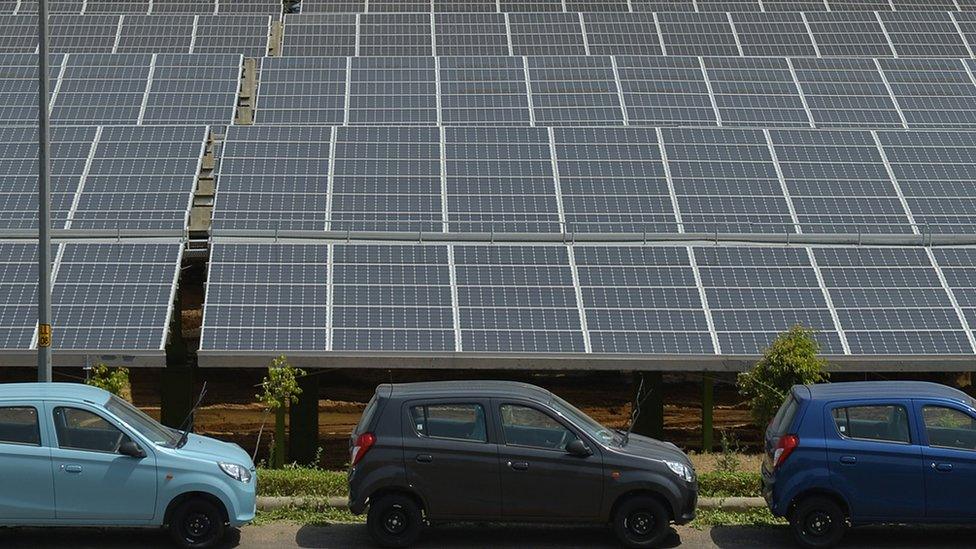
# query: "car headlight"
x,y
235,471
682,470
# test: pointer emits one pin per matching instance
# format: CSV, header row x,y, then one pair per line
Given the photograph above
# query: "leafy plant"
x,y
279,389
113,380
729,461
791,359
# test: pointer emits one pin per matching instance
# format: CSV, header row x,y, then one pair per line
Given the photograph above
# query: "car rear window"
x,y
367,416
784,416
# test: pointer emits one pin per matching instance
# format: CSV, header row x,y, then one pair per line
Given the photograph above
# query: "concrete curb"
x,y
268,503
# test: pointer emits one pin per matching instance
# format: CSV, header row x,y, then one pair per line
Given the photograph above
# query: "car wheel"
x,y
818,523
394,520
642,522
197,524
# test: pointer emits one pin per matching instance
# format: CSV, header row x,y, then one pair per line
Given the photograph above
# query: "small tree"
x,y
113,380
279,389
791,359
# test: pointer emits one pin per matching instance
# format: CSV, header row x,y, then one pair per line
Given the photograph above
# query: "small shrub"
x,y
279,389
113,380
729,484
791,359
729,459
301,482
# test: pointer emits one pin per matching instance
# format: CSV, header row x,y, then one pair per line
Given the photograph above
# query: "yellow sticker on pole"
x,y
44,335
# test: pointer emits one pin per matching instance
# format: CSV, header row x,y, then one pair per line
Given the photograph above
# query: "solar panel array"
x,y
586,179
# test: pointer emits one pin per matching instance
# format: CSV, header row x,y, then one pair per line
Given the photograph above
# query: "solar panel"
x,y
936,172
262,7
392,298
859,5
333,6
966,21
483,91
380,6
110,296
242,34
929,5
319,34
301,90
641,300
102,89
500,180
395,34
194,7
466,6
140,177
517,299
755,92
794,5
18,294
613,180
932,93
193,89
597,5
849,35
614,33
846,93
83,33
546,34
70,148
19,34
148,34
572,91
838,182
270,297
273,177
471,34
18,86
725,181
393,90
727,5
855,277
54,6
387,179
665,91
698,34
958,265
924,34
662,5
754,293
532,6
114,6
773,34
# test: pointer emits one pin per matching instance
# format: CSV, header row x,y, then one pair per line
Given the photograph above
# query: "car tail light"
x,y
785,447
362,445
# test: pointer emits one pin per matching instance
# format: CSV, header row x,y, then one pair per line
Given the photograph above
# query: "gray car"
x,y
498,451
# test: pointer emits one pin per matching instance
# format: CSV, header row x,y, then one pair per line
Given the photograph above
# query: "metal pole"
x,y
708,406
44,205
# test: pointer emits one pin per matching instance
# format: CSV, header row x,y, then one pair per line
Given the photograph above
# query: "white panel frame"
x,y
952,298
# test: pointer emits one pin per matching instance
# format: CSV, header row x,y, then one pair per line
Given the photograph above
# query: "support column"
x,y
708,407
303,436
650,422
176,391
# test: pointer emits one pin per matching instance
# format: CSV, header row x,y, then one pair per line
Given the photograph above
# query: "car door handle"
x,y
944,467
71,468
519,465
424,458
848,460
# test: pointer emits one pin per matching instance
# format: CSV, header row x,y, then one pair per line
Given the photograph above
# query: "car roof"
x,y
481,388
885,389
41,391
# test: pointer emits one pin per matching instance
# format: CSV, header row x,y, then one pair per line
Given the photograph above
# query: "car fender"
x,y
635,481
805,481
186,482
388,476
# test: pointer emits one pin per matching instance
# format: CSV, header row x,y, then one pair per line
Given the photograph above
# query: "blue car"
x,y
846,454
74,455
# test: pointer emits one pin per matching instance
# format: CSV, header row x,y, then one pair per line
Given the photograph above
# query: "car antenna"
x,y
187,424
635,409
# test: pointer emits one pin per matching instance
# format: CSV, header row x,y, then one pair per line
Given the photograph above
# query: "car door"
x,y
874,460
92,480
949,460
539,479
26,481
450,459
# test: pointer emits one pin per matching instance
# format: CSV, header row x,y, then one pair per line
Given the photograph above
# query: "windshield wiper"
x,y
187,424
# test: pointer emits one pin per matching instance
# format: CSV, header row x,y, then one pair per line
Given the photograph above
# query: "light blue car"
x,y
74,455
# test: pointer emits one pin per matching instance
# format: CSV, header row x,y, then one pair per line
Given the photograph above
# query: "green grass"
x,y
753,517
729,484
301,481
302,515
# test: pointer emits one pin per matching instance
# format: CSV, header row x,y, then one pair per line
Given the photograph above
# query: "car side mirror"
x,y
578,448
131,449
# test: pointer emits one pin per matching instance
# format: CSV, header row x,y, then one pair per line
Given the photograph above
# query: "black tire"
x,y
394,520
197,524
641,522
818,523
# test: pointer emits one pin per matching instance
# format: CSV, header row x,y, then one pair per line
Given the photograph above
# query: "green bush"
x,y
301,482
729,484
113,380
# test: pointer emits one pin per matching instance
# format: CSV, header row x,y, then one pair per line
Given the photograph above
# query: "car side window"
x,y
452,421
79,429
525,426
949,428
19,425
885,423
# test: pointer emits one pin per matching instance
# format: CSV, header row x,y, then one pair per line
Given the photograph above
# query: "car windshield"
x,y
583,421
145,425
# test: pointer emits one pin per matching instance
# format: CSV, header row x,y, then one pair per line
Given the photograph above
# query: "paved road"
x,y
288,536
